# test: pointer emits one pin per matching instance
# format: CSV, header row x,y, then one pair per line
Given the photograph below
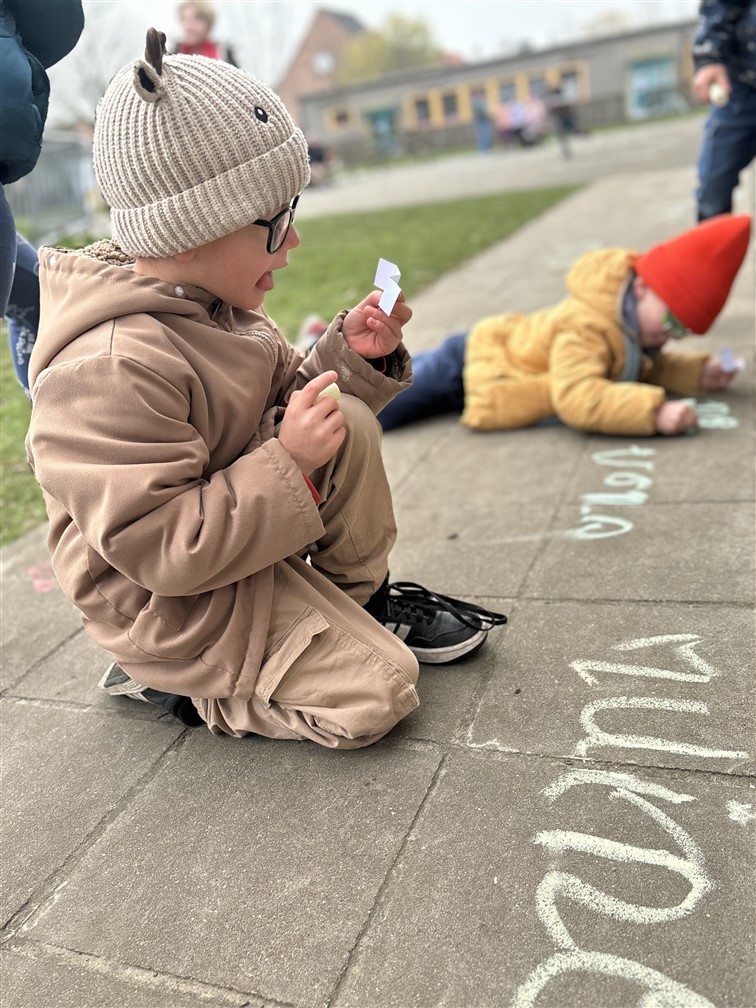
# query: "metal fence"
x,y
60,196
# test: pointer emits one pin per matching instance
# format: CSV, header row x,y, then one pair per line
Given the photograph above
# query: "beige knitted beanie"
x,y
188,149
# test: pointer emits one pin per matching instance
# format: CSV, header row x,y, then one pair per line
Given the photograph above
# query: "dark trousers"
x,y
19,292
729,146
436,387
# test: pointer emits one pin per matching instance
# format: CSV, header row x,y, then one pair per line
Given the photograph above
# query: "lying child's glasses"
x,y
673,326
278,226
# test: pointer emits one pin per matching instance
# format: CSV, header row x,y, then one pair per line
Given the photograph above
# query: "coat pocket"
x,y
285,651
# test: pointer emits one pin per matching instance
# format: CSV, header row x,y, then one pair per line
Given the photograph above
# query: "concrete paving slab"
x,y
269,894
705,467
70,675
405,448
658,685
516,860
520,466
449,695
654,558
38,975
469,552
41,616
63,772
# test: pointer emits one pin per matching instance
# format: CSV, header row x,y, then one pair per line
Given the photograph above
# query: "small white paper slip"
x,y
729,362
387,277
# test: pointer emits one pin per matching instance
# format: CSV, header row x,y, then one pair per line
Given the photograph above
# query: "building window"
x,y
569,84
537,87
422,111
507,92
449,103
341,118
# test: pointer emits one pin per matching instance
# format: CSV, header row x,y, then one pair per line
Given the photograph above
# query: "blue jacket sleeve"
x,y
715,39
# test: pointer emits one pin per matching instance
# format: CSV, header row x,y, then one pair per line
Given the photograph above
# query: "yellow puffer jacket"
x,y
567,361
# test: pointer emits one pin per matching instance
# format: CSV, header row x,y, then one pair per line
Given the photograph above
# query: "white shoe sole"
x,y
444,656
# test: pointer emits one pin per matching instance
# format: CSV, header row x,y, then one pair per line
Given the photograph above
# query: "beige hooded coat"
x,y
169,497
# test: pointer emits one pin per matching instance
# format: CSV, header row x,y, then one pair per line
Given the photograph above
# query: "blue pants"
x,y
436,387
19,293
729,146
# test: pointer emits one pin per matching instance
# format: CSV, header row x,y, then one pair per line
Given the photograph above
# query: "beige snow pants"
x,y
331,673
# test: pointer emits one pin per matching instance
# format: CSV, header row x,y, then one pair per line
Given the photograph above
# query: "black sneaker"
x,y
115,682
436,628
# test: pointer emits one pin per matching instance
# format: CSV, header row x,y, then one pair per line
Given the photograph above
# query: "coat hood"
x,y
82,288
599,279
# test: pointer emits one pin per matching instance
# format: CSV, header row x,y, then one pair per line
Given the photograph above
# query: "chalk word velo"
x,y
629,482
659,990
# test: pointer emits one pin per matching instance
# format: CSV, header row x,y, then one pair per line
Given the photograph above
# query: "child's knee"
x,y
360,422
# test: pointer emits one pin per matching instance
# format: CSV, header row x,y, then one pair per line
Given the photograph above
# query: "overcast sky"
x,y
265,33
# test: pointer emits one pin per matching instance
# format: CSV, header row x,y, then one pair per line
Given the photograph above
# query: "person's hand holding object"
x,y
675,418
313,425
370,332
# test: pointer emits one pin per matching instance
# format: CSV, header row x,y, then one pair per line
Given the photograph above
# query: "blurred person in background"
x,y
34,35
724,53
197,19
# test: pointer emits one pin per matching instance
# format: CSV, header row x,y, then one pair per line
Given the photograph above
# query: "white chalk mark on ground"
x,y
595,736
660,990
740,812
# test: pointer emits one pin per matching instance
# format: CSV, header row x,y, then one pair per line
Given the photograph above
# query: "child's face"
x,y
652,315
238,268
194,28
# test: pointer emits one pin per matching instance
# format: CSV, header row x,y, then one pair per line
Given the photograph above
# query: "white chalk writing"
x,y
559,886
632,487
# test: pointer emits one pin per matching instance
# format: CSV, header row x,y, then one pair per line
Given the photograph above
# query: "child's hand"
x,y
370,332
713,376
312,431
676,418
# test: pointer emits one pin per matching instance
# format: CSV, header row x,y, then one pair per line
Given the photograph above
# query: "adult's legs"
x,y
729,146
436,386
23,310
7,251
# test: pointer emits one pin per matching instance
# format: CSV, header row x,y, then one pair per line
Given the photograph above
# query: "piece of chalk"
x,y
331,390
729,362
718,95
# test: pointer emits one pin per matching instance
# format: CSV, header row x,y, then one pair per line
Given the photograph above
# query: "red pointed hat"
x,y
693,273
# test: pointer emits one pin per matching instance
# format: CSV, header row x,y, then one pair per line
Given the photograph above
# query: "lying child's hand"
x,y
370,332
713,376
312,430
676,418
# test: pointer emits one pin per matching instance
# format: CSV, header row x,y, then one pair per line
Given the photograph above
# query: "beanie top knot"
x,y
188,149
694,272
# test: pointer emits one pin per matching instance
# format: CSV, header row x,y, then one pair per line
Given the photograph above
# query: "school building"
x,y
633,75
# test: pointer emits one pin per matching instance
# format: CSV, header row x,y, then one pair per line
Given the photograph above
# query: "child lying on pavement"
x,y
594,361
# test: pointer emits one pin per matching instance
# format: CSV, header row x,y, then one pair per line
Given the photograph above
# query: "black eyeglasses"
x,y
278,226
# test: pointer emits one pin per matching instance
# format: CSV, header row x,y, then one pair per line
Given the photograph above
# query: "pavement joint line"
x,y
502,754
46,894
43,658
709,603
137,975
433,786
78,707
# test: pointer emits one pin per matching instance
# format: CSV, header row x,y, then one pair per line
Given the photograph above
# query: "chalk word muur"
x,y
686,859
